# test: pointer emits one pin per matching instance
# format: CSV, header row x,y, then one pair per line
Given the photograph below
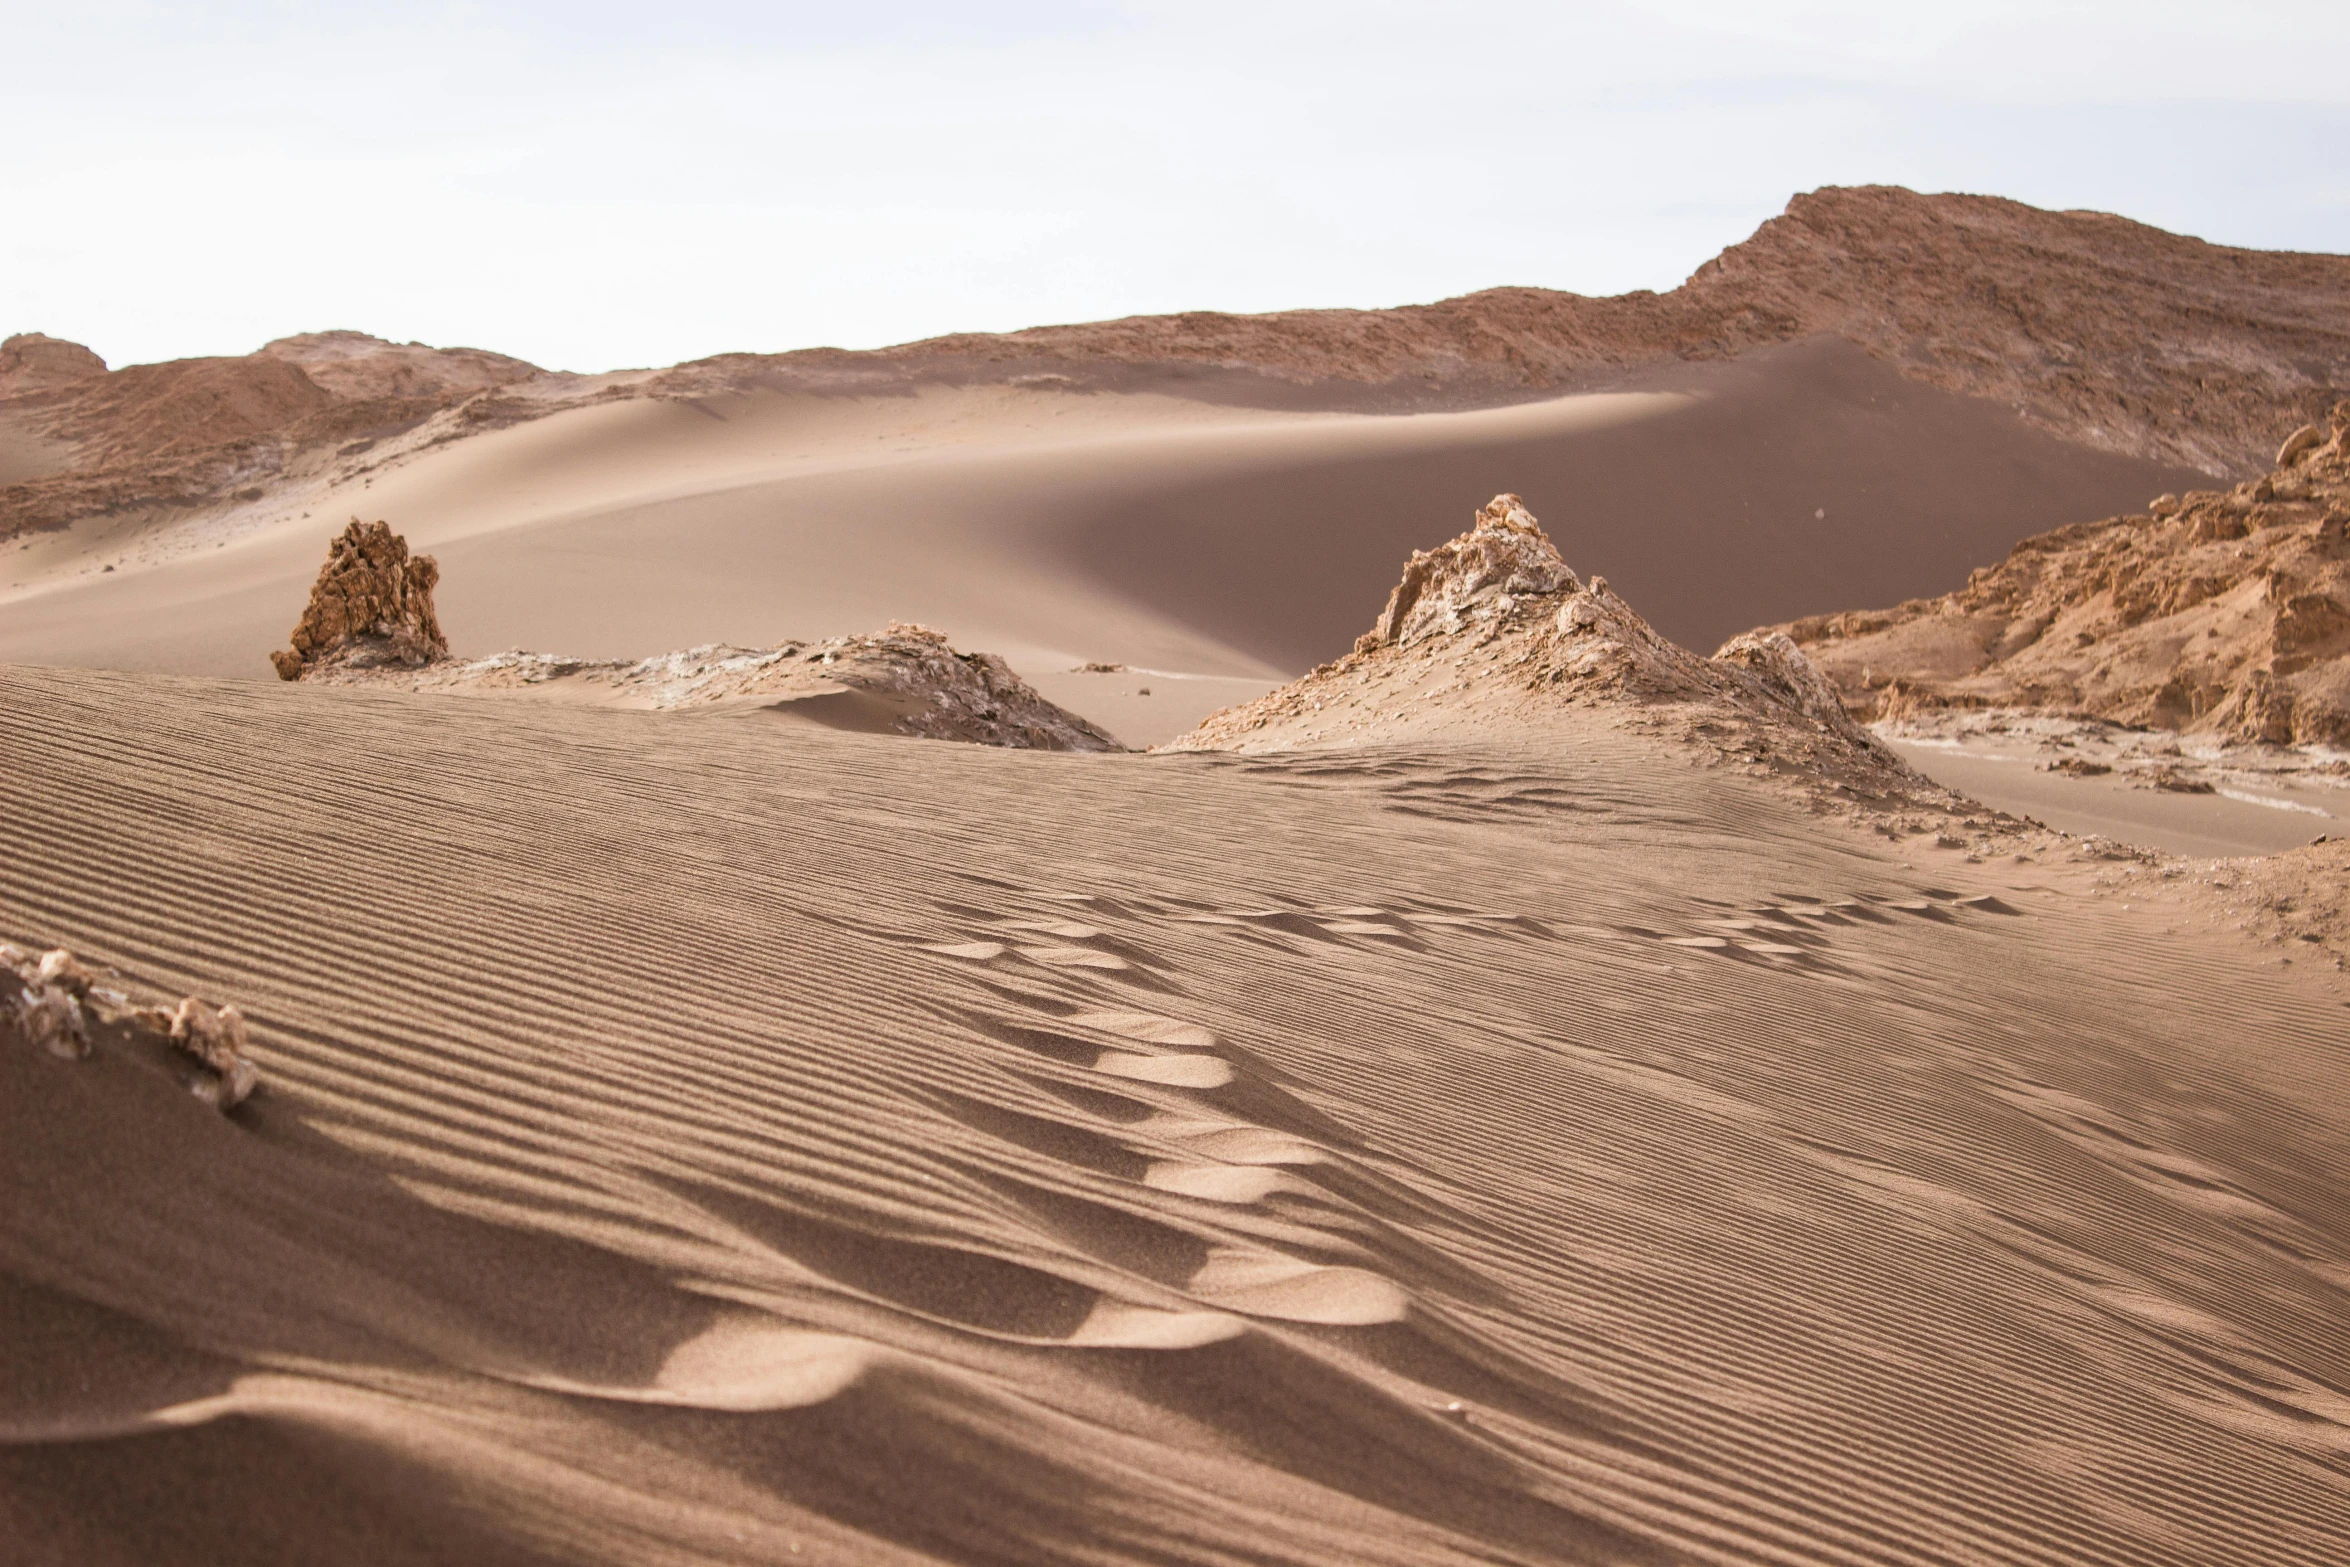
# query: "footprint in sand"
x,y
1149,1028
743,1363
1067,930
970,951
1261,1284
1072,957
1227,1183
1169,1071
1116,1324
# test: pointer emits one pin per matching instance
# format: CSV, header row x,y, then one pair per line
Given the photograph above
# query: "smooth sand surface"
x,y
724,1141
1135,528
1143,707
2221,824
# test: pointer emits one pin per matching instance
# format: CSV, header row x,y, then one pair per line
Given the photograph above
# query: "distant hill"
x,y
2107,333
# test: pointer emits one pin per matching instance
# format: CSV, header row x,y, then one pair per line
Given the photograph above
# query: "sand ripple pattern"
x,y
699,1143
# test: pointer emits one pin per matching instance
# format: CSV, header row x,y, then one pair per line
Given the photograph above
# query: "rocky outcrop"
x,y
1492,636
1503,557
54,1002
33,362
2217,613
214,1038
42,998
371,607
903,680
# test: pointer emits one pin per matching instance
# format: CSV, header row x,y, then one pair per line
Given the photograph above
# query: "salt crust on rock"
x,y
907,679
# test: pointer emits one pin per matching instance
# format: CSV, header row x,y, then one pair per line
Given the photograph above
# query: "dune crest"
x,y
2219,614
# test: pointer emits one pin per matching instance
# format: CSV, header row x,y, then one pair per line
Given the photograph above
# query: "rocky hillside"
x,y
192,431
2224,613
2106,332
33,362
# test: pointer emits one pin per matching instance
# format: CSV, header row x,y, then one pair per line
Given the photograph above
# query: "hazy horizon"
x,y
590,187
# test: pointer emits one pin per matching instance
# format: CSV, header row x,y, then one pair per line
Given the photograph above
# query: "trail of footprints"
x,y
1073,990
1183,1104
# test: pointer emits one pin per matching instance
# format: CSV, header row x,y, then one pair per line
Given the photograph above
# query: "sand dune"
x,y
1060,529
1521,1093
2107,333
697,1142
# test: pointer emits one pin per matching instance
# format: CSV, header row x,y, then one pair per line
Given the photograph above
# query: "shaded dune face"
x,y
1810,474
884,1152
1717,497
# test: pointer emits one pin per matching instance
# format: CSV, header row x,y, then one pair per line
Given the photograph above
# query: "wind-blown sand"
x,y
697,1141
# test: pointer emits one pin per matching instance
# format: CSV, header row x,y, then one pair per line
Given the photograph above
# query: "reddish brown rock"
x,y
371,607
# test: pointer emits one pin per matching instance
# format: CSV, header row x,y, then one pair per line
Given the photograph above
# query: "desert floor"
x,y
721,1140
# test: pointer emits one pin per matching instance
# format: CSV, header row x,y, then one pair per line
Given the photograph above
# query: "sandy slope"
x,y
1141,528
704,1141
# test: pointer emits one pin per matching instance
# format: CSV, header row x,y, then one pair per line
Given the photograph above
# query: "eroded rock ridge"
x,y
2224,613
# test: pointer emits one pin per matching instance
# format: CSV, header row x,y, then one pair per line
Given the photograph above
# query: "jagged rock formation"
x,y
1491,634
2225,614
1505,555
371,606
903,680
2107,332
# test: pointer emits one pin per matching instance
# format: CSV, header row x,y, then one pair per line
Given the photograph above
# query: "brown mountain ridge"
x,y
2109,333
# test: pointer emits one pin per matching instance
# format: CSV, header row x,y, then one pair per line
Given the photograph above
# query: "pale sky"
x,y
597,184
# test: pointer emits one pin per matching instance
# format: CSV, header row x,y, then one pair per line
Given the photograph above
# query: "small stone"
x,y
51,1017
215,1036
